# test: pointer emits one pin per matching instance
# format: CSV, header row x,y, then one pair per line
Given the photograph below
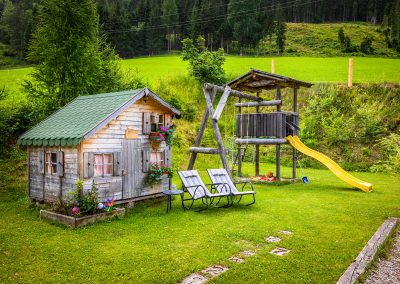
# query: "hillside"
x,y
322,39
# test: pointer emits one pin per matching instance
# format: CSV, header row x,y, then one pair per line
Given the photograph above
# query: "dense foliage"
x,y
71,58
153,26
204,65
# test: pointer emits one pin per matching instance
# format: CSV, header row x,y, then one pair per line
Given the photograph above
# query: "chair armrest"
x,y
244,185
214,186
197,188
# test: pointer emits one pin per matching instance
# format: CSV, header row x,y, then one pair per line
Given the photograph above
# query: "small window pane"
x,y
54,168
108,159
54,157
98,159
108,170
98,170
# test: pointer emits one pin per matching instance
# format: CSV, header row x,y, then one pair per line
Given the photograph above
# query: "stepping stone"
x,y
272,239
286,232
236,259
195,279
215,270
280,251
247,253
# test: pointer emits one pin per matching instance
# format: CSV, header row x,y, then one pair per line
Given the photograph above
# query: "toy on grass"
x,y
109,204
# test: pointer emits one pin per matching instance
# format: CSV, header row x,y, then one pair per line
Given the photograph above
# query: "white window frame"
x,y
103,165
158,161
156,120
53,165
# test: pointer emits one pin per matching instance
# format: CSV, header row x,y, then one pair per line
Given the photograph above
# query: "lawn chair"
x,y
192,183
221,176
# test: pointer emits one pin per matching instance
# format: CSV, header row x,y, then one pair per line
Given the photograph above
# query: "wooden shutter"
x,y
117,158
41,165
146,123
60,163
168,157
146,160
167,120
88,168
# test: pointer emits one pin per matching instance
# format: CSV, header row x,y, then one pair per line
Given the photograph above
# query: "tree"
x,y
72,59
341,36
169,19
242,17
16,24
280,30
366,45
204,65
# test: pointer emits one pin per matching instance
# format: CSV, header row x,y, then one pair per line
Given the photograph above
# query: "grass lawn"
x,y
331,223
334,69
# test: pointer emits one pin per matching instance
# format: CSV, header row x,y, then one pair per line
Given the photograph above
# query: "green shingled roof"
x,y
68,126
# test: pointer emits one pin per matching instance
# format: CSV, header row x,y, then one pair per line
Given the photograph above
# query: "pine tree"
x,y
280,30
72,59
169,20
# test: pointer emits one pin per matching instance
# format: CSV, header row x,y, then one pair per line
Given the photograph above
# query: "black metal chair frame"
x,y
205,198
242,190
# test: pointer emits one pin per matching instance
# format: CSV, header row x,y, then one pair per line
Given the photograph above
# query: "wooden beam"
x,y
239,151
257,161
259,104
258,84
217,133
234,93
222,103
294,164
278,146
261,141
204,150
201,131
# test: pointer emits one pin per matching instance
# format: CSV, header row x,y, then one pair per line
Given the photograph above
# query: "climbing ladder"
x,y
242,153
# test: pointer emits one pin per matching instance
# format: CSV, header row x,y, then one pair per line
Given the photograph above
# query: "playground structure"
x,y
261,127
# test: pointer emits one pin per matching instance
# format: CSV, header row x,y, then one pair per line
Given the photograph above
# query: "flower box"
x,y
75,222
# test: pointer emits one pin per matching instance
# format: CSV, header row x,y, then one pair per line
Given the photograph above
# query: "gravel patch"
x,y
388,270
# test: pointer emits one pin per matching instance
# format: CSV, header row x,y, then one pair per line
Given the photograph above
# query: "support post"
x,y
295,133
217,133
273,66
278,146
239,161
350,77
257,161
201,130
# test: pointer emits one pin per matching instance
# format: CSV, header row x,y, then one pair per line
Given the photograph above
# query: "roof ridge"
x,y
111,94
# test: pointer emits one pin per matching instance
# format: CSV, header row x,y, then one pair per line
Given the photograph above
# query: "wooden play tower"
x,y
263,126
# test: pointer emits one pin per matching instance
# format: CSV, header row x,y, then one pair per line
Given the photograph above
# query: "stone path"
x,y
215,270
388,270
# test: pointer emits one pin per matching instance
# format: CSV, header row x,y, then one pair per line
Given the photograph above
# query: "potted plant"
x,y
157,171
167,134
155,140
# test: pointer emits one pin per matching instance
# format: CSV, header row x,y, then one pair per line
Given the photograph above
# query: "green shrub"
x,y
390,150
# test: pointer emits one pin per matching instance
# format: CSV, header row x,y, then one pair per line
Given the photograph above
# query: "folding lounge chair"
x,y
193,184
221,176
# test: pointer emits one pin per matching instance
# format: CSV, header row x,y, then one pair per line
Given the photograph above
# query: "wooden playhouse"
x,y
103,139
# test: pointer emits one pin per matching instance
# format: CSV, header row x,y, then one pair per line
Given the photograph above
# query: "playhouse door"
x,y
132,161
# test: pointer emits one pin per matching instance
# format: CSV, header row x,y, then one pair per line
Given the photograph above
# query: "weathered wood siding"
x,y
110,140
46,186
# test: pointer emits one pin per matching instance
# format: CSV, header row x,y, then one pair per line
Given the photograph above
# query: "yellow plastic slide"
x,y
330,164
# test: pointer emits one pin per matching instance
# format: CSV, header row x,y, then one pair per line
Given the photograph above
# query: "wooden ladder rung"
x,y
204,150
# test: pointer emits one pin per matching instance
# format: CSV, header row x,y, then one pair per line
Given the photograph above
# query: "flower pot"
x,y
155,140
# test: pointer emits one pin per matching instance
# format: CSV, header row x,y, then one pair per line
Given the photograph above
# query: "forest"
x,y
150,27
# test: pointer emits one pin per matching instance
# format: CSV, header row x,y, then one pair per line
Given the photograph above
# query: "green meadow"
x,y
366,70
331,222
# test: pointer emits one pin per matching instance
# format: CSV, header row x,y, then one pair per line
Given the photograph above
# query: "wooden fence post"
x,y
350,77
273,66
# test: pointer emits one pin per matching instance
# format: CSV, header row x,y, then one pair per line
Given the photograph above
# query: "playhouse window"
x,y
156,157
51,162
103,165
157,120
